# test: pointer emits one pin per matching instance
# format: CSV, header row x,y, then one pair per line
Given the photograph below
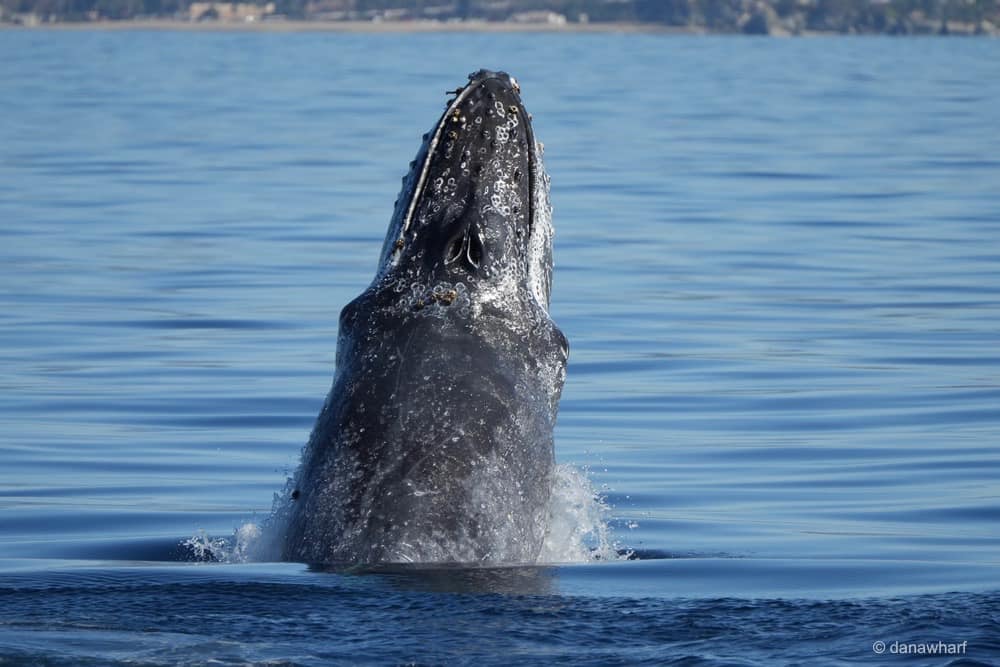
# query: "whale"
x,y
435,442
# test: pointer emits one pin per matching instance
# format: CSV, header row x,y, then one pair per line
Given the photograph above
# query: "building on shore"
x,y
538,17
229,12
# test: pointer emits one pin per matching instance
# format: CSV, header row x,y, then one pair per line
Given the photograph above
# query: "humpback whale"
x,y
435,443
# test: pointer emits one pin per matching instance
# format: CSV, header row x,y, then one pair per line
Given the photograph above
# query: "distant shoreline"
x,y
359,26
474,26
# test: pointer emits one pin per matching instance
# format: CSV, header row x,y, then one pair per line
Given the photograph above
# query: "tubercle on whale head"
x,y
474,206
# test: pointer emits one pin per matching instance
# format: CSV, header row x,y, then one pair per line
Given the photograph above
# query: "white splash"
x,y
203,547
578,529
250,543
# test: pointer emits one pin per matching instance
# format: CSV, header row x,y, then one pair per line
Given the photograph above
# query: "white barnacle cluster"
x,y
504,131
444,184
504,197
464,164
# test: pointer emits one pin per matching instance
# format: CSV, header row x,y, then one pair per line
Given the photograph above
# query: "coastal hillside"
x,y
725,16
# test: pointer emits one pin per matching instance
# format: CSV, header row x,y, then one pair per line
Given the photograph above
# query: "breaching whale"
x,y
435,443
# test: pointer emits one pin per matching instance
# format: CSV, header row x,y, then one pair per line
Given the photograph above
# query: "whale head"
x,y
474,208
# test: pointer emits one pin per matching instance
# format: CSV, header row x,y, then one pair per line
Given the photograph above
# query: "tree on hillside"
x,y
671,12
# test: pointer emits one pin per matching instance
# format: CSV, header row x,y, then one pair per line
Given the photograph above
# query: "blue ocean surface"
x,y
777,264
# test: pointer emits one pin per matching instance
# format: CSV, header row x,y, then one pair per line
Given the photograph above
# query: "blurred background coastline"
x,y
761,17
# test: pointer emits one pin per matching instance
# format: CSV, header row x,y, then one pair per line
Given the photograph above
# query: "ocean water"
x,y
777,263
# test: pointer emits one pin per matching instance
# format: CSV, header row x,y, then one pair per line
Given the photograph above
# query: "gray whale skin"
x,y
435,443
